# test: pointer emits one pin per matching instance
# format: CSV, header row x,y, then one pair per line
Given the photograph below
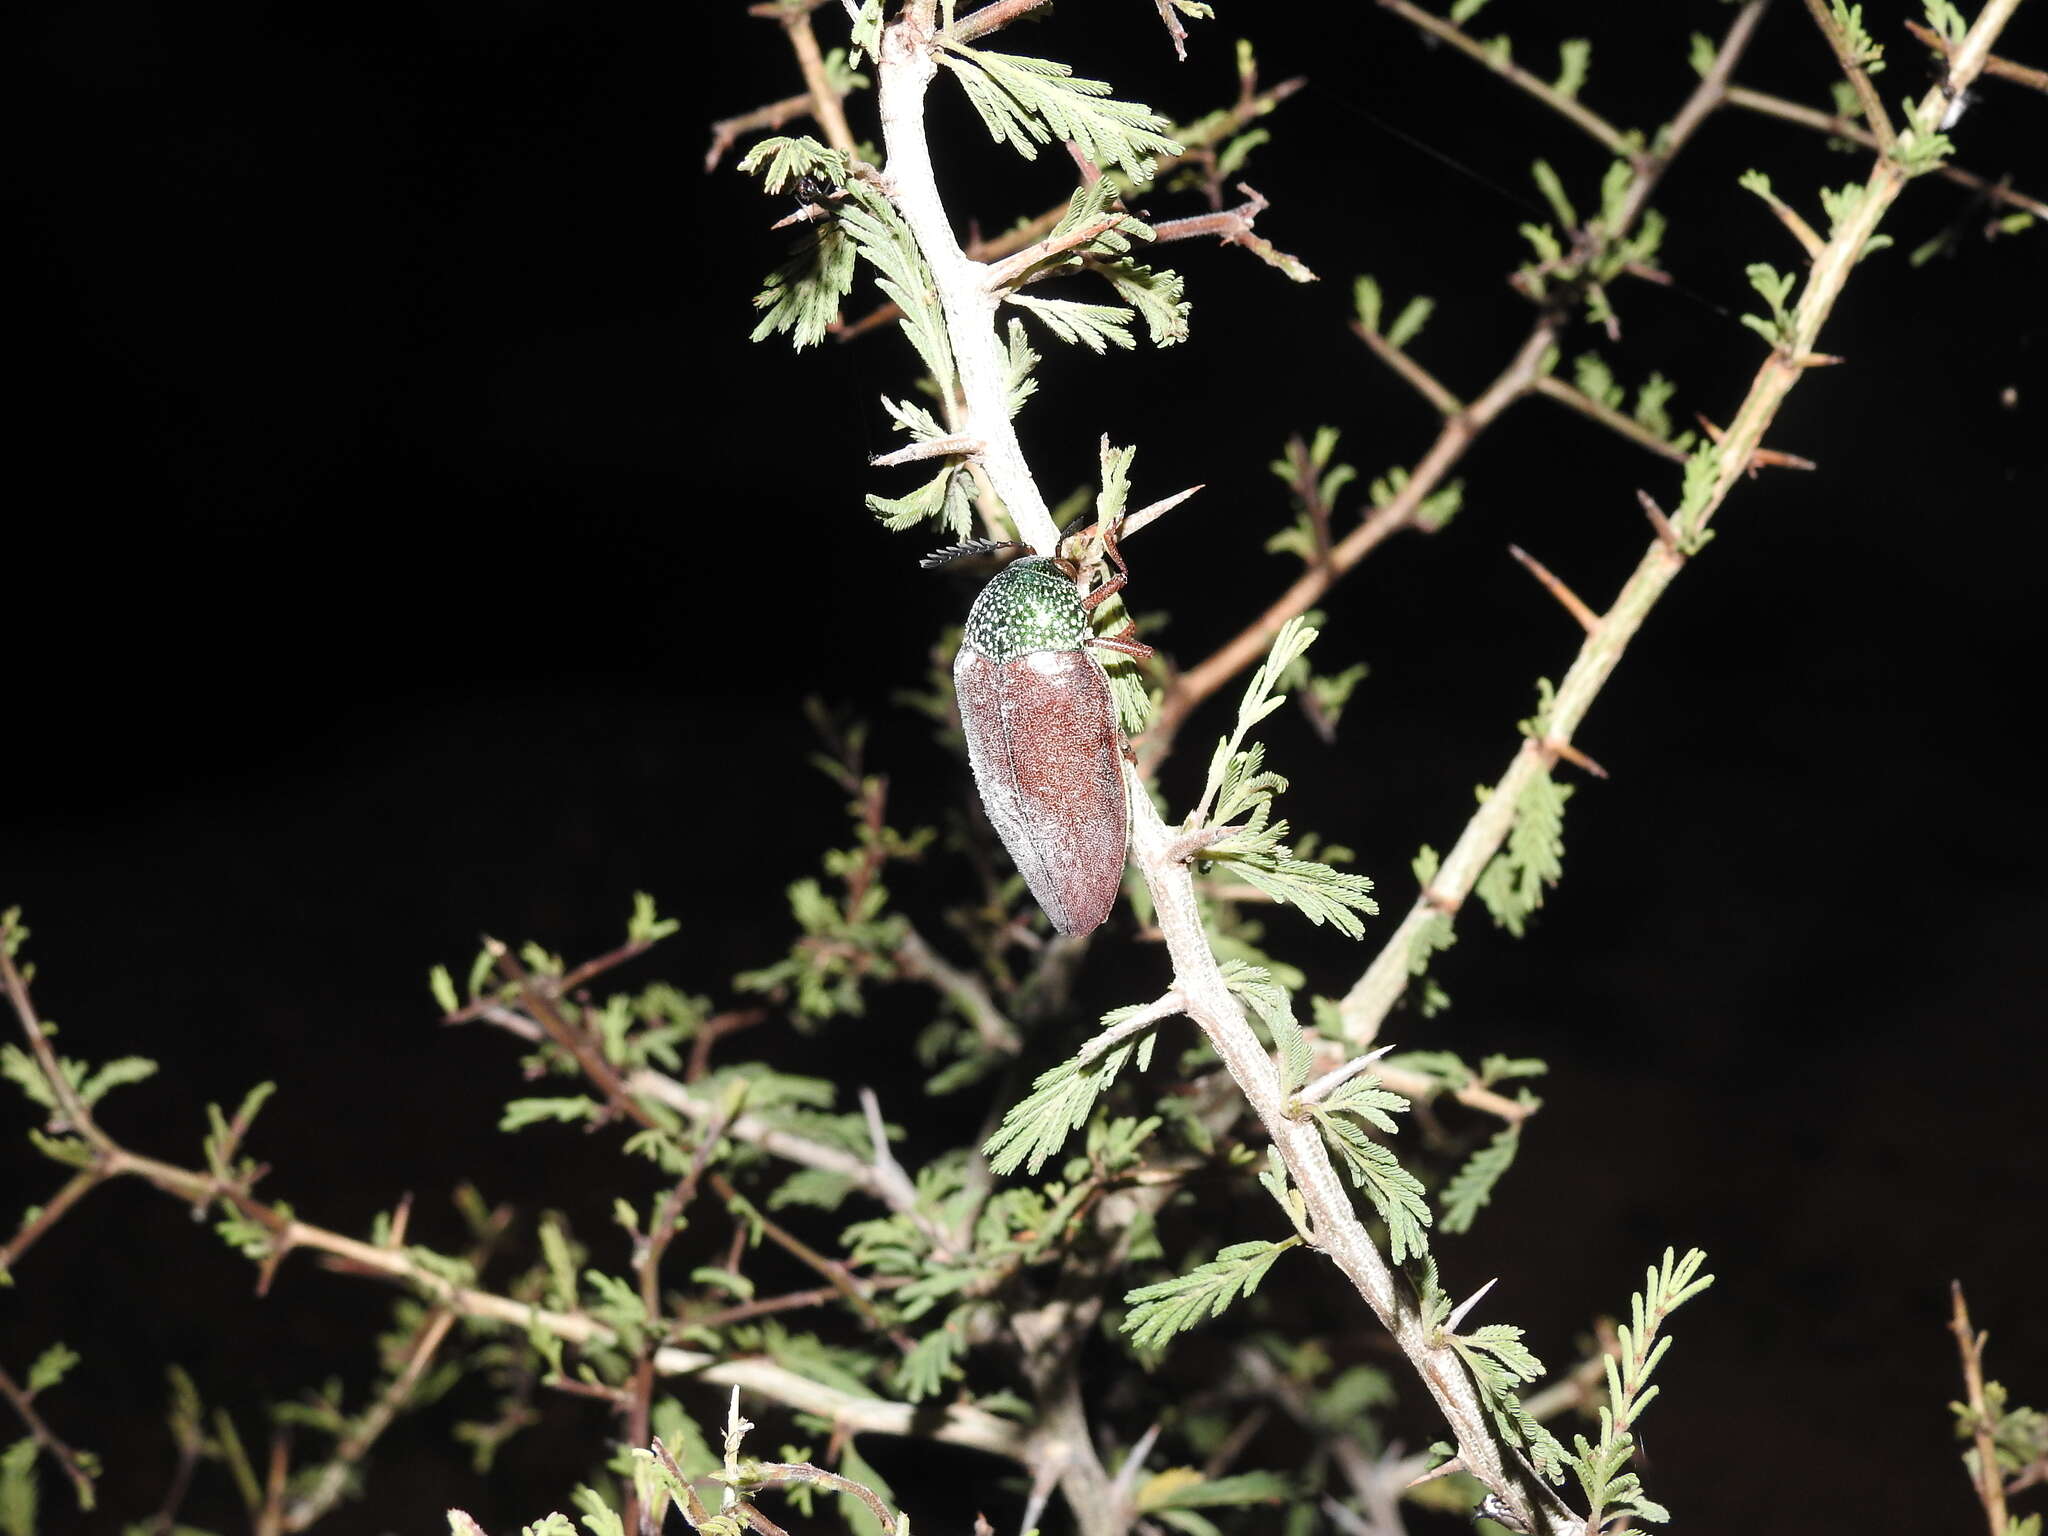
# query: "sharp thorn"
x,y
1573,604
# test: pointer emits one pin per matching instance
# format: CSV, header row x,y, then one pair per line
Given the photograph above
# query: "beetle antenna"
x,y
964,550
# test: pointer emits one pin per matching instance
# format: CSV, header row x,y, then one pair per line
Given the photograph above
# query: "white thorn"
x,y
1331,1081
1458,1312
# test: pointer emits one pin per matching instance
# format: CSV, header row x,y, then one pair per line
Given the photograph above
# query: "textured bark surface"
x,y
1042,739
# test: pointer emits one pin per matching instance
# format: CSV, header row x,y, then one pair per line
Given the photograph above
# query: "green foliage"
x,y
1945,20
1026,102
1513,881
1862,50
1552,188
1500,1364
50,1367
2019,1436
1157,294
1651,398
1154,295
1347,1119
1602,1467
1701,54
1160,1311
91,1085
1575,56
1253,984
1094,326
1775,287
802,297
1061,1098
1184,1488
18,1487
933,1360
18,1499
1596,380
1473,1184
1241,794
520,1113
1409,323
1434,510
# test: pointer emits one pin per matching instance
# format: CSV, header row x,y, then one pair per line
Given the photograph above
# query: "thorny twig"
x,y
1740,446
1970,1345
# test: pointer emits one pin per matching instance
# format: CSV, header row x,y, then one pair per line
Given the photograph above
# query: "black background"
x,y
406,542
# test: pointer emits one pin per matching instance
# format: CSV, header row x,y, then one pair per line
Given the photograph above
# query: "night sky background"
x,y
405,542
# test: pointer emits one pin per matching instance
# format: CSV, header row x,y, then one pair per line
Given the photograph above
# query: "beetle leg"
x,y
1115,556
1094,599
1122,643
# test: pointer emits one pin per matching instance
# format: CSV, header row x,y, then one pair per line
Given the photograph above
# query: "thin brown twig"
x,y
726,131
75,1189
1419,378
75,1464
990,18
1767,105
1194,685
322,1496
72,1114
582,1048
804,1472
563,986
794,1301
1970,1345
917,960
1551,387
1011,269
1497,60
831,1270
270,1518
1852,67
827,106
2004,69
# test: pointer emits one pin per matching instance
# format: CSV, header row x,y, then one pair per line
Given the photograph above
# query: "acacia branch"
x,y
1199,985
1339,1232
1367,1004
1188,689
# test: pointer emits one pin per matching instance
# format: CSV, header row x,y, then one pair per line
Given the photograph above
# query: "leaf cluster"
x,y
1238,797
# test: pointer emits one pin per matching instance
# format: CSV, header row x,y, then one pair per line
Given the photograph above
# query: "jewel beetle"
x,y
1041,728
